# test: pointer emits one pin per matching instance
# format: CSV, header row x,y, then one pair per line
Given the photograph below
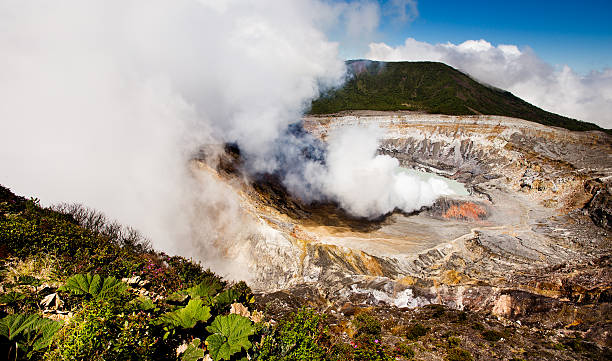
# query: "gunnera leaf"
x,y
42,332
30,333
207,288
111,287
186,317
94,285
230,334
12,326
226,298
193,351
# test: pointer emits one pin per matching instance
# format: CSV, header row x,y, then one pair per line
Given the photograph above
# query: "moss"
x,y
557,346
461,317
577,344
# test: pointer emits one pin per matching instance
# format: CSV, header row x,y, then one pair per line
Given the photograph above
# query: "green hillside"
x,y
433,88
75,286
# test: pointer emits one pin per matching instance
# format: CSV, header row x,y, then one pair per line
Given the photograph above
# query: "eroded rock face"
x,y
531,242
600,206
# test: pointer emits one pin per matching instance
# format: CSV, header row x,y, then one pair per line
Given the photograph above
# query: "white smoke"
x,y
367,184
105,102
519,71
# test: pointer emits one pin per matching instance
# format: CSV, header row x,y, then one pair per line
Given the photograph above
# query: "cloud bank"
x,y
104,103
519,71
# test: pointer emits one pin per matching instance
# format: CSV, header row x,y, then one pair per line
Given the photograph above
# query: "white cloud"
x,y
519,71
354,24
361,18
402,10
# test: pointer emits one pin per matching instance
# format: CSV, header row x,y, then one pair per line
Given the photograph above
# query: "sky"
x,y
556,55
573,33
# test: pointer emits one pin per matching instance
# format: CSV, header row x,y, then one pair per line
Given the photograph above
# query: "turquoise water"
x,y
455,186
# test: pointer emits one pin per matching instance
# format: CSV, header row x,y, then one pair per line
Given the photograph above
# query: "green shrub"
x,y
478,326
453,341
367,324
341,352
105,330
404,350
365,348
435,310
189,272
459,354
298,338
370,348
415,331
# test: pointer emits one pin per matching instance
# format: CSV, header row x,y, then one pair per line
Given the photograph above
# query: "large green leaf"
x,y
12,326
230,334
207,288
226,298
41,333
193,351
94,285
30,333
186,317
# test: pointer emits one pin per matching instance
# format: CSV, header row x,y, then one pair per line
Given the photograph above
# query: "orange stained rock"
x,y
466,210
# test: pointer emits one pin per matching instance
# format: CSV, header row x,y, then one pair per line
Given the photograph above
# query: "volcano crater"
x,y
535,210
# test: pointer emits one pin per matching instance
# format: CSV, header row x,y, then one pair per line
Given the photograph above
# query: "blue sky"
x,y
576,33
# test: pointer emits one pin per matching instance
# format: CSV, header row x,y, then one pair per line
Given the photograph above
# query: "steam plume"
x,y
105,102
369,185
